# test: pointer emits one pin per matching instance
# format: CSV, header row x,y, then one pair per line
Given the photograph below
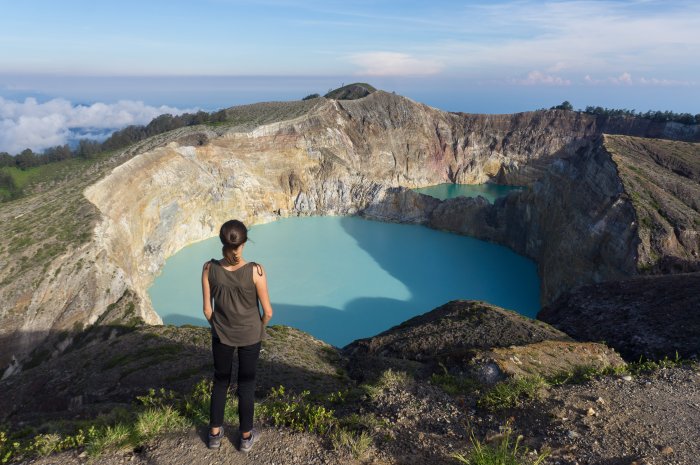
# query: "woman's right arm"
x,y
206,293
260,280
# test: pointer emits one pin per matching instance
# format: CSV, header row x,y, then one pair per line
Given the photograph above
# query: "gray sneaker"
x,y
215,441
247,444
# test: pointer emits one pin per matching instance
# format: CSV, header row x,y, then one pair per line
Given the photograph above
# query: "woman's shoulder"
x,y
257,267
209,262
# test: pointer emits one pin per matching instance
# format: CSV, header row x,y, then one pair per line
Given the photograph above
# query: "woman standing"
x,y
235,286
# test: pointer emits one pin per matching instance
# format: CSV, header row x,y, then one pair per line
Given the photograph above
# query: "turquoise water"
x,y
449,190
343,278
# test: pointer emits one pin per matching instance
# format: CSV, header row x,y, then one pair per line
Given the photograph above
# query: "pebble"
x,y
627,378
666,450
600,401
590,412
571,434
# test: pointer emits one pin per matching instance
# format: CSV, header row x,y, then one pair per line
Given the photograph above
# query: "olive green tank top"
x,y
236,318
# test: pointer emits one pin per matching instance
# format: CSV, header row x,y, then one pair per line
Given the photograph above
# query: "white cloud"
x,y
574,36
665,82
539,78
34,125
393,64
627,79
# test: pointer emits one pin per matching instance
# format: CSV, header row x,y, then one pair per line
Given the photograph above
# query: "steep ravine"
x,y
349,157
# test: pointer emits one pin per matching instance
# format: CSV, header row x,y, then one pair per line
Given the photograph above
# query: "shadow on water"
x,y
478,270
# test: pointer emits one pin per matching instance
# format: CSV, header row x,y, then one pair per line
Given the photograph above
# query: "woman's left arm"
x,y
260,281
206,293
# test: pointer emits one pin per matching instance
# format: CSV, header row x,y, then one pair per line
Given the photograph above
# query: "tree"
x,y
88,148
57,153
565,105
7,182
26,159
6,159
218,117
124,137
311,96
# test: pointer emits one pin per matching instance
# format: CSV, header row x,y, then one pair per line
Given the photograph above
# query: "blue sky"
x,y
473,56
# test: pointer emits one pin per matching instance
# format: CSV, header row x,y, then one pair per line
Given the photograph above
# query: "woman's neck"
x,y
228,266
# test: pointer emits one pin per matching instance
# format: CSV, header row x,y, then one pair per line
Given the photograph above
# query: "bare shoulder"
x,y
259,268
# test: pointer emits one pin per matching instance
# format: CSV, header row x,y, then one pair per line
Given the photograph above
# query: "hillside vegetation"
x,y
351,91
662,179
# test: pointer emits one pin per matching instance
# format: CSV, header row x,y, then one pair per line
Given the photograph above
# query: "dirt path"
x,y
650,419
275,447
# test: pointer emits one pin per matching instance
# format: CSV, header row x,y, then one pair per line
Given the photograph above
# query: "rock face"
x,y
662,179
486,342
588,217
344,157
651,316
452,329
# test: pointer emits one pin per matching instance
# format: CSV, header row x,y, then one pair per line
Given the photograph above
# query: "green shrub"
x,y
647,365
14,449
9,449
584,373
296,412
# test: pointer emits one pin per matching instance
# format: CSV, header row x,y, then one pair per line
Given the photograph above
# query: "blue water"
x,y
344,278
449,190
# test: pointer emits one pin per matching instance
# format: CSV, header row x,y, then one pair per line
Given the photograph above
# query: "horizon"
x,y
497,57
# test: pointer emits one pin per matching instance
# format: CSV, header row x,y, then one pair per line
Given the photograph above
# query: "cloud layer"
x,y
394,64
34,125
562,41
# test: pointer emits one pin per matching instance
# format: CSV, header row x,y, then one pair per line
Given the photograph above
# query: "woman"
x,y
235,285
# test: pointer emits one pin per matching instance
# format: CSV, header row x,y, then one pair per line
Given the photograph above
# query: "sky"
x,y
134,59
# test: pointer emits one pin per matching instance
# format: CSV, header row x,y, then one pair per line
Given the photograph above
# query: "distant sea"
x,y
446,93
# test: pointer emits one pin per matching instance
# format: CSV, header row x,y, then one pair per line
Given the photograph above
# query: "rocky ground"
x,y
606,421
413,411
650,419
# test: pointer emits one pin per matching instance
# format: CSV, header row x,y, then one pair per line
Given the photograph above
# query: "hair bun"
x,y
232,234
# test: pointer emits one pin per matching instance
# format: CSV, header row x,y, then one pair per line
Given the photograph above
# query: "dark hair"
x,y
233,233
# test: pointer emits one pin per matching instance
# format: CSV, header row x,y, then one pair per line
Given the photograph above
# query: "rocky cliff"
x,y
329,157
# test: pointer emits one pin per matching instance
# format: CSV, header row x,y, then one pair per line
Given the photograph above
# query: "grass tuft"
x,y
504,452
389,379
154,421
357,444
510,393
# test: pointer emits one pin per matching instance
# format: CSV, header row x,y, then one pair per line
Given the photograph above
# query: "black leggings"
x,y
247,362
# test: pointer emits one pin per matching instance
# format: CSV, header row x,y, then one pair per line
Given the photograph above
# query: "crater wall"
x,y
349,157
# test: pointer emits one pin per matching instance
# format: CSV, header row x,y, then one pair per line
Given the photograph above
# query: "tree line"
x,y
653,115
89,148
